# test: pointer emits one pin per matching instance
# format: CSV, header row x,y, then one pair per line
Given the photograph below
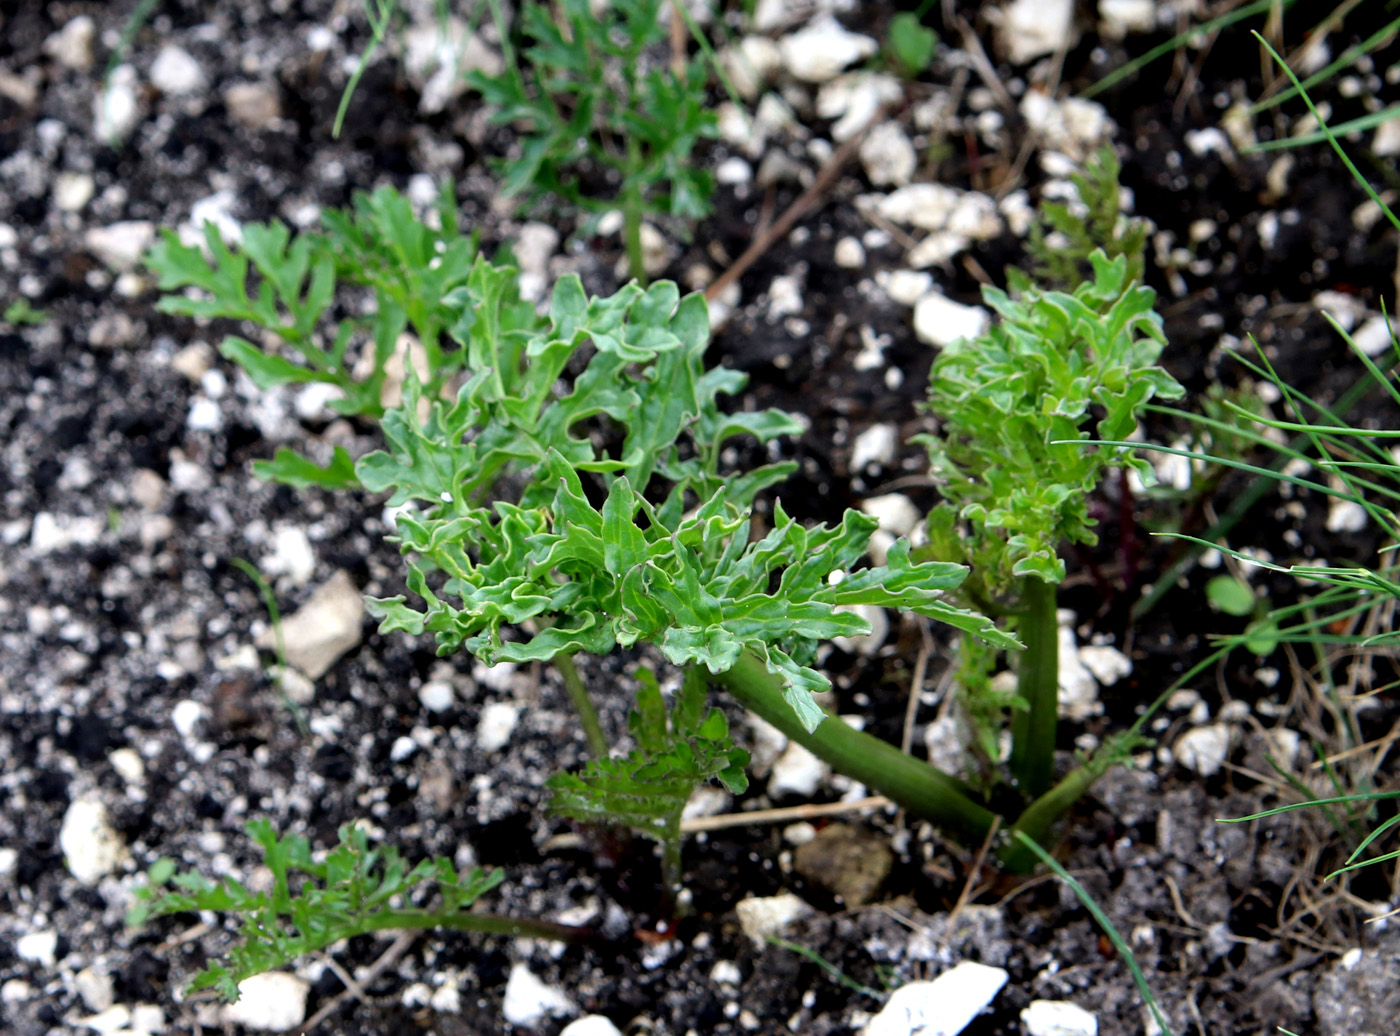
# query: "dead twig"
x,y
355,987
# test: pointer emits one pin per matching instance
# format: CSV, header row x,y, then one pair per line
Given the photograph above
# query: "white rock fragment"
x,y
849,254
943,1007
1108,664
1078,691
762,916
71,46
875,445
591,1025
1072,126
974,216
941,321
905,287
271,1002
117,108
797,772
438,56
866,644
1205,749
175,73
322,629
888,155
1375,336
534,244
1208,141
926,206
187,717
120,246
51,532
436,696
784,297
1345,515
1387,139
255,106
1118,18
497,723
938,249
131,768
1058,1018
95,988
822,50
92,847
1031,28
204,416
946,740
72,191
528,1001
217,209
750,64
895,512
733,171
39,947
853,99
292,555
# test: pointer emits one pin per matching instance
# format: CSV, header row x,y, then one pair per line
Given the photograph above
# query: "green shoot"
x,y
911,45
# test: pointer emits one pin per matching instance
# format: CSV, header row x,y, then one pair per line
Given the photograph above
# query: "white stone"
x,y
591,1025
52,532
292,555
121,246
188,717
274,1001
941,321
1345,515
437,61
975,216
726,972
1204,749
1078,691
1207,141
943,1007
436,696
497,724
849,254
906,286
853,99
937,249
322,629
217,209
797,772
1374,337
946,741
176,73
762,916
1073,126
92,848
875,445
1108,664
732,172
95,988
255,106
204,416
656,251
534,244
866,644
312,402
784,297
72,191
39,947
823,49
71,46
402,748
895,512
1345,309
528,1001
9,861
117,108
131,768
888,155
1387,138
750,64
15,991
1117,18
1031,28
926,206
1058,1018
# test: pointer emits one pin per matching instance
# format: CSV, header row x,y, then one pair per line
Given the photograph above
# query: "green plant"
x,y
594,104
1013,407
313,904
19,313
911,44
1062,260
419,274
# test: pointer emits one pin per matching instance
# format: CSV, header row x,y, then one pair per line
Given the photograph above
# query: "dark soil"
x,y
103,635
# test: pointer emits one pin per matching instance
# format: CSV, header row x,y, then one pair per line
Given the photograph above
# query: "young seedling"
x,y
1014,406
597,108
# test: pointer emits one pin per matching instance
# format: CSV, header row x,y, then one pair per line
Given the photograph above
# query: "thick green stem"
x,y
912,784
583,705
1033,730
1043,812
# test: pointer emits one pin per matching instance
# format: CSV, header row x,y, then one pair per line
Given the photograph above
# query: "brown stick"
x,y
806,201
